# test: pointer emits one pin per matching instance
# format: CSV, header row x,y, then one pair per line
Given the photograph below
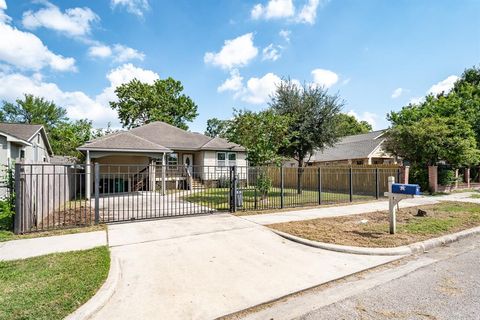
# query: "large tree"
x,y
263,134
217,128
314,120
34,110
66,137
140,103
349,125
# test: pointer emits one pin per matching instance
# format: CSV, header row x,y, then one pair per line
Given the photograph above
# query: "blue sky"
x,y
378,55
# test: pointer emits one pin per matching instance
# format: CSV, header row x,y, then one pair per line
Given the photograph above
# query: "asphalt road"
x,y
446,289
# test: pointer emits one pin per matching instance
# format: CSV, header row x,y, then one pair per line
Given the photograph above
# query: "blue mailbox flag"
x,y
413,189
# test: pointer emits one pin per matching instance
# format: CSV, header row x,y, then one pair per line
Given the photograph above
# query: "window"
x,y
22,154
172,161
221,159
232,159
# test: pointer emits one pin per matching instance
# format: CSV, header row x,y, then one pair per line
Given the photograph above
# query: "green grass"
x,y
475,196
217,198
428,225
51,286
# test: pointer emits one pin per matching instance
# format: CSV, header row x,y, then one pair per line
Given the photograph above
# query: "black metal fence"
x,y
59,196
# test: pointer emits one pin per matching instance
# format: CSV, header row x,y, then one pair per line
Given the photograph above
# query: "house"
x,y
160,153
357,149
23,142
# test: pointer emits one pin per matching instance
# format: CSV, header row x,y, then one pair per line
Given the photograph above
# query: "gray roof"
x,y
20,130
351,147
159,136
65,160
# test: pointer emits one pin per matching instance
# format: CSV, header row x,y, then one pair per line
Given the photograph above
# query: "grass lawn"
x,y
475,196
217,198
6,235
372,229
51,286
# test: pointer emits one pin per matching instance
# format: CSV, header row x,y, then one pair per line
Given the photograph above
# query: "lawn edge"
x,y
417,247
102,296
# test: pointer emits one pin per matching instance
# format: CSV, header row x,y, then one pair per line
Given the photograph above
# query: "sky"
x,y
377,55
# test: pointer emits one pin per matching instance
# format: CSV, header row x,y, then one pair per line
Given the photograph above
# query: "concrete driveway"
x,y
209,266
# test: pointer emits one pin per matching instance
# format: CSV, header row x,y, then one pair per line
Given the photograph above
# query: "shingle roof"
x,y
160,136
20,130
351,147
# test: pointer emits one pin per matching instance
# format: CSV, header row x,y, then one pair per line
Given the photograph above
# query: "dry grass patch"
x,y
371,229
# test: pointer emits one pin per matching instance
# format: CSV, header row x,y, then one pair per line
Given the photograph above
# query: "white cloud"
x,y
3,17
366,116
259,90
274,9
285,34
233,83
397,93
99,51
324,78
72,22
237,52
308,13
25,50
3,5
136,7
346,81
120,53
443,86
270,53
416,100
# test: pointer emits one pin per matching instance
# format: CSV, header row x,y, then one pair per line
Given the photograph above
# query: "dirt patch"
x,y
372,229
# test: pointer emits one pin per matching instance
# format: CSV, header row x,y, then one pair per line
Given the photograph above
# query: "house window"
x,y
22,154
221,159
232,159
172,161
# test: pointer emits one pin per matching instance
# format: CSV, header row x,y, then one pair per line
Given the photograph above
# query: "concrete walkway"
x,y
209,266
27,248
336,211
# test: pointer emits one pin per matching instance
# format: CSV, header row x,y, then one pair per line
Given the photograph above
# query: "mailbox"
x,y
413,189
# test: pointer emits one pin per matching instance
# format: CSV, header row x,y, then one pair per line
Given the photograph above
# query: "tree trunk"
x,y
299,176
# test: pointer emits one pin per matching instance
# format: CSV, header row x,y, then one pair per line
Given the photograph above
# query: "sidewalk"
x,y
327,212
27,248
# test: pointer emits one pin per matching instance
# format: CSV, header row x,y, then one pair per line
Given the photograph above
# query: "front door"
x,y
188,162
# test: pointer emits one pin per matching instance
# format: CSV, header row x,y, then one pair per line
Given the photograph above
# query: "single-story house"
x,y
183,158
366,148
23,142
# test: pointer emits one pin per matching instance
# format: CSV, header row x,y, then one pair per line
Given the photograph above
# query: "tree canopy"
x,y
217,128
140,103
349,125
313,115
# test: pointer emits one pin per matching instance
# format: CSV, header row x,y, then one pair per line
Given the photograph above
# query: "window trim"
x,y
227,162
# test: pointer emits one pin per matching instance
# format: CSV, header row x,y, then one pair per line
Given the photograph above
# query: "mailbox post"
x,y
397,192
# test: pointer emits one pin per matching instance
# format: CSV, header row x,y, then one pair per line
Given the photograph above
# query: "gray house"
x,y
358,149
179,153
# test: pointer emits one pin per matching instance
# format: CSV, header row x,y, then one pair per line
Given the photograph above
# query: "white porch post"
x,y
152,175
9,154
88,176
164,170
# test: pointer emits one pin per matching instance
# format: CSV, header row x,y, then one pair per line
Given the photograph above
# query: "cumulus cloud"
x,y
285,34
99,51
4,18
271,52
120,53
233,83
259,90
443,86
237,52
274,9
397,93
324,78
25,50
136,7
308,13
366,116
73,22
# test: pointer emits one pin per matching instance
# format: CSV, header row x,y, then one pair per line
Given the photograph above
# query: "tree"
x,y
34,110
314,120
217,128
66,137
140,103
434,139
349,125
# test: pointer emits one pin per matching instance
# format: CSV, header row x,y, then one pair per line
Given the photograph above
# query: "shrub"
x,y
446,177
264,183
419,175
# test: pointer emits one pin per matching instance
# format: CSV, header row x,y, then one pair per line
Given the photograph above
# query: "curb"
x,y
395,251
106,291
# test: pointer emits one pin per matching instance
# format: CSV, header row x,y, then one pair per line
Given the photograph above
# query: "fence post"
x,y
319,187
97,193
282,188
351,184
377,188
233,189
17,222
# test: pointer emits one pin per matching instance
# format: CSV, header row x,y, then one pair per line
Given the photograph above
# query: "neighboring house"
x,y
179,153
358,149
27,143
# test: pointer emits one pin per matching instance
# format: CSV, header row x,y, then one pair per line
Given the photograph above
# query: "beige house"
x,y
360,149
162,154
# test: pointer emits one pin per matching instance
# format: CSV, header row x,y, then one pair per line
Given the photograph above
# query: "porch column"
x,y
88,176
164,171
9,154
467,177
151,175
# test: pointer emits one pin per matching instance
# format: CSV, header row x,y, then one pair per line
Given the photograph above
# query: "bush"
x,y
6,215
419,175
446,177
223,182
264,183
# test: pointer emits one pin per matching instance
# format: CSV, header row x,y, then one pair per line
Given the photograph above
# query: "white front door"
x,y
188,162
